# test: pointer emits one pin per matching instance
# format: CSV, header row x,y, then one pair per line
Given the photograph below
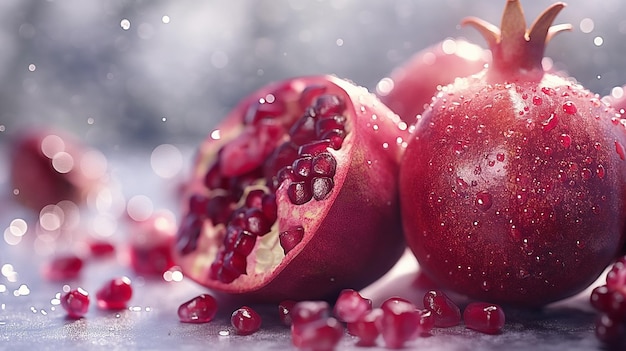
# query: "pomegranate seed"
x,y
611,302
245,320
324,165
322,186
303,130
283,156
290,238
284,311
335,136
366,327
200,309
219,209
188,234
399,322
256,223
484,317
427,321
269,207
324,125
328,104
309,94
100,248
258,111
245,243
235,262
611,331
115,294
254,199
307,311
198,204
320,335
446,312
350,306
299,193
314,148
616,277
302,167
63,268
75,303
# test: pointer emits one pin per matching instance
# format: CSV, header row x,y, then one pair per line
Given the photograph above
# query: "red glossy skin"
x,y
410,87
350,238
514,192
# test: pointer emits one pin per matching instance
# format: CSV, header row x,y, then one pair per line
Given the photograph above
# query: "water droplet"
x,y
125,24
580,244
565,140
521,197
483,201
619,148
586,174
461,183
550,123
569,108
600,171
500,157
537,100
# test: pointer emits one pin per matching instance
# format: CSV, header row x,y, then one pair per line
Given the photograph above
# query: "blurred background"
x,y
137,74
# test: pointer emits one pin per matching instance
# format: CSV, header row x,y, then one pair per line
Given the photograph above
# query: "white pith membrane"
x,y
267,254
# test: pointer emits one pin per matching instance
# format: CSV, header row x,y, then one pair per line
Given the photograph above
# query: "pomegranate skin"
x,y
350,239
410,87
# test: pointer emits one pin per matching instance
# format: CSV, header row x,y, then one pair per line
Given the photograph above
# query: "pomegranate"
x,y
48,166
294,195
410,87
512,186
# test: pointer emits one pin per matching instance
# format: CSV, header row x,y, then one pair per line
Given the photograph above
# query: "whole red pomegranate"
x,y
48,166
513,184
410,87
294,195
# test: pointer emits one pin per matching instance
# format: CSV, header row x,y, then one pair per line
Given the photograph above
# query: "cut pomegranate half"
x,y
294,195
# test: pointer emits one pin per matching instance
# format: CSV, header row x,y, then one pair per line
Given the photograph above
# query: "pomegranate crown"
x,y
516,51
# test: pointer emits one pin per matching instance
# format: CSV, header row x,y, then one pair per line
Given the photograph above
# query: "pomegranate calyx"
x,y
517,51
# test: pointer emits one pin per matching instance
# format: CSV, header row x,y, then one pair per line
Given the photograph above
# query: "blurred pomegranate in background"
x,y
48,166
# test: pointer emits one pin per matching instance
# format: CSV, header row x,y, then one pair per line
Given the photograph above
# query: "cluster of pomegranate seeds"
x,y
115,294
241,183
313,328
610,300
245,320
200,309
61,268
484,317
75,302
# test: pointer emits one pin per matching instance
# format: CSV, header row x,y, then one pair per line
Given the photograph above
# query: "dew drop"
x,y
565,140
537,100
483,200
600,171
586,174
550,123
500,157
569,108
619,148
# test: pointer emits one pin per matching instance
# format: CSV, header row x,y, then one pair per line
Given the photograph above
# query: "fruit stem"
x,y
517,52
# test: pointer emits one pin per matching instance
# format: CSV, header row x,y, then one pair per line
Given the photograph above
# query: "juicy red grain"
x,y
256,223
611,331
200,309
115,294
100,248
366,328
254,199
245,320
446,312
328,105
324,165
484,317
299,193
284,311
302,167
63,268
188,234
616,277
314,148
75,303
350,306
303,130
289,239
319,335
269,207
262,110
399,322
321,188
245,243
307,311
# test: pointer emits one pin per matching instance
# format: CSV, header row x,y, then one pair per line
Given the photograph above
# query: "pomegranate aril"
x,y
188,234
328,104
320,335
256,223
616,277
305,312
213,178
254,199
198,205
269,207
324,165
366,328
324,125
100,248
218,209
610,331
321,187
245,243
350,306
263,110
303,130
309,94
75,303
399,322
245,320
284,311
200,309
427,321
249,150
335,137
446,312
115,294
299,193
302,167
151,260
235,262
64,267
484,317
314,148
283,156
289,239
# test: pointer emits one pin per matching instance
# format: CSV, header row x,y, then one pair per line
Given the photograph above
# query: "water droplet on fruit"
x,y
550,123
586,173
565,140
483,200
569,108
619,148
600,171
486,286
500,157
537,100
